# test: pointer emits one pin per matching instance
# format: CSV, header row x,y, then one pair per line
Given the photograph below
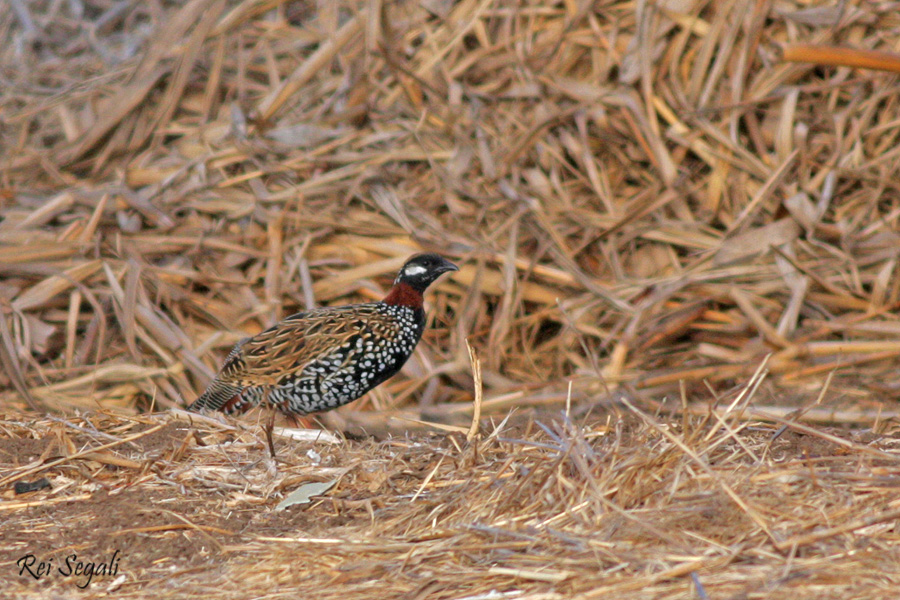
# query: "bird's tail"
x,y
216,396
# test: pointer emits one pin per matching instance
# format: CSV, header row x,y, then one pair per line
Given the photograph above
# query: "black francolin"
x,y
321,359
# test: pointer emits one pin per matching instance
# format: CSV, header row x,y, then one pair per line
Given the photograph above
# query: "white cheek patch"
x,y
413,270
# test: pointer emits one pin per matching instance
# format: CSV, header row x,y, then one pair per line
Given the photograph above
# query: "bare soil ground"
x,y
626,508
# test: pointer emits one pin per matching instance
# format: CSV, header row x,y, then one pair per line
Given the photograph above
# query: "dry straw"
x,y
641,195
635,508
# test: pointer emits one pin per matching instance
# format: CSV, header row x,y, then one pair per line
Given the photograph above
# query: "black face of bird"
x,y
421,270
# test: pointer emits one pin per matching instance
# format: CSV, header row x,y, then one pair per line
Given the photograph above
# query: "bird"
x,y
320,359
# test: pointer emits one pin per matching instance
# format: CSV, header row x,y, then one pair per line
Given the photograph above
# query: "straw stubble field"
x,y
677,230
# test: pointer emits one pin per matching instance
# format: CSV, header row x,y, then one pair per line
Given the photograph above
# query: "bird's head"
x,y
421,270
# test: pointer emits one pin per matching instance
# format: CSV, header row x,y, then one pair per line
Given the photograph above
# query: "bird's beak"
x,y
448,266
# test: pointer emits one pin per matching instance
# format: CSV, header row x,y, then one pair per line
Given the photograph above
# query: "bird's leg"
x,y
300,422
271,423
269,427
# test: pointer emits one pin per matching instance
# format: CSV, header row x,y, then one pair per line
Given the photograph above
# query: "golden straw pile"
x,y
679,215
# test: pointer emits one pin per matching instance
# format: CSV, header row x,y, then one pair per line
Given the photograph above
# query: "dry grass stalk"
x,y
842,57
477,382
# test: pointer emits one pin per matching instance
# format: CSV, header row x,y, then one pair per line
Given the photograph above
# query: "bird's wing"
x,y
289,346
